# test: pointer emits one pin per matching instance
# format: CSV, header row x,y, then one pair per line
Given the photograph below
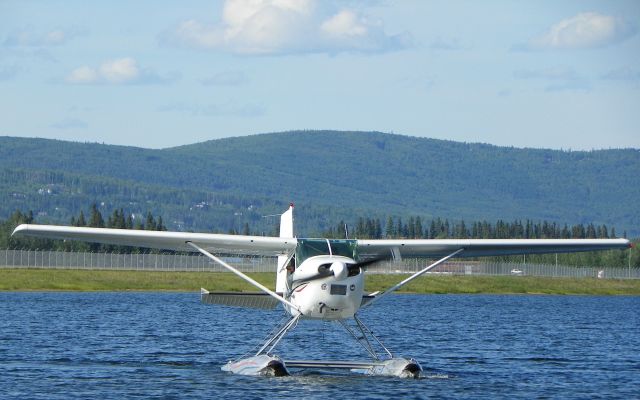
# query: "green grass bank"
x,y
102,280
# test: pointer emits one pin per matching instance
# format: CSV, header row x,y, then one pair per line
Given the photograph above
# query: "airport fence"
x,y
198,263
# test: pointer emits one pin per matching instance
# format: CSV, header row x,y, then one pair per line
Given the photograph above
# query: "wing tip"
x,y
20,228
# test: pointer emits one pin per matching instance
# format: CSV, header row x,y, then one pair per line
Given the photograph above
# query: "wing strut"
x,y
245,277
412,277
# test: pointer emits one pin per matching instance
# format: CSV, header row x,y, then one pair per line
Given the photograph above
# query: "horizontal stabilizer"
x,y
367,298
239,299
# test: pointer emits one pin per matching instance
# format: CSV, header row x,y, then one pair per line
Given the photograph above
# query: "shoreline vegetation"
x,y
103,280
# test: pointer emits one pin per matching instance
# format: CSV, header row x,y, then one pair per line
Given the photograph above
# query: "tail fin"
x,y
286,223
286,230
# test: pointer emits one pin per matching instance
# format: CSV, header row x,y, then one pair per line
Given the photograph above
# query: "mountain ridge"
x,y
348,174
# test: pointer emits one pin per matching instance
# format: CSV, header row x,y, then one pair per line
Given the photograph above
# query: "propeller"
x,y
338,269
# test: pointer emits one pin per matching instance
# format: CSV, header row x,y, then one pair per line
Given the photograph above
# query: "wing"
x,y
433,248
215,243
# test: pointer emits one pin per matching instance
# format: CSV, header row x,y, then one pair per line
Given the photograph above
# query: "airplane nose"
x,y
340,270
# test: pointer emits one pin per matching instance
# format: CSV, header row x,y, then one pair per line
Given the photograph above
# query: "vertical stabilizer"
x,y
286,230
286,223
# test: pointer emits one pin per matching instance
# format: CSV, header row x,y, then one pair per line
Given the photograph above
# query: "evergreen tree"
x,y
591,232
433,229
461,230
370,228
116,220
161,227
81,221
360,228
411,228
418,229
95,218
245,230
604,232
150,223
475,232
389,231
378,229
139,225
578,232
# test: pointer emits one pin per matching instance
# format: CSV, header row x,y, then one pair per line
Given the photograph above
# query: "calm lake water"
x,y
168,345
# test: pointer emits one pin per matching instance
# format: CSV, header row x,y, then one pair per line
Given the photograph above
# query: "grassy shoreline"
x,y
103,280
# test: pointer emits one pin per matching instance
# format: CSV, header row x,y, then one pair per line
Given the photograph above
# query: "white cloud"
x,y
344,23
119,71
584,31
55,37
195,34
285,27
84,74
31,38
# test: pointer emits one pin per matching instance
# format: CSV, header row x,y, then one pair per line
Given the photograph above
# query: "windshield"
x,y
316,247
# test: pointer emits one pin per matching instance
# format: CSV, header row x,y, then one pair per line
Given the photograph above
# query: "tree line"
x,y
364,228
118,219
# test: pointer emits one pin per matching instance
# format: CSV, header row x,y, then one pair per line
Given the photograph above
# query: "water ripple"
x,y
167,345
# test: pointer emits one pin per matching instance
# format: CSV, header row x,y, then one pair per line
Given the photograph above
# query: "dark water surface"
x,y
167,345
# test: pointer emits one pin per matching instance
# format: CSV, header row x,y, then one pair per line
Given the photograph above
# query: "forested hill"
x,y
221,184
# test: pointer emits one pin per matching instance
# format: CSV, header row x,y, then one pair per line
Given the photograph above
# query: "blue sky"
x,y
550,74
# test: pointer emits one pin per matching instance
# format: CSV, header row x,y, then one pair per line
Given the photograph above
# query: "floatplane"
x,y
321,279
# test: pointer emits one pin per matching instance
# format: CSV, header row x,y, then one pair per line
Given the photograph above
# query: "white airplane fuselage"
x,y
330,294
